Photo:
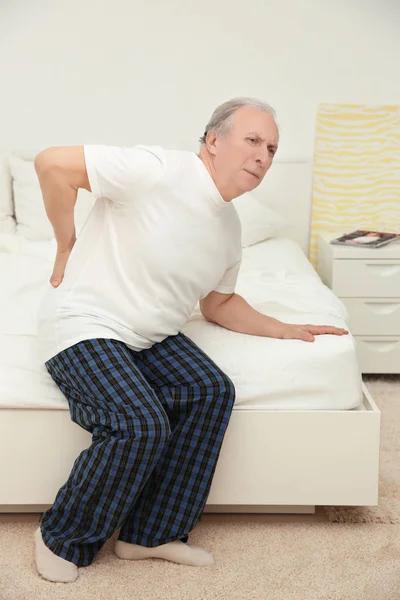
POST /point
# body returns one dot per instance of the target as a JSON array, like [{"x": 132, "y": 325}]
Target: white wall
[{"x": 152, "y": 71}]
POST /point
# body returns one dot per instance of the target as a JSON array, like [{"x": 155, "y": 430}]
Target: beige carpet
[{"x": 258, "y": 557}]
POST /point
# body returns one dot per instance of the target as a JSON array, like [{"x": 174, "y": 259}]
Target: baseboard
[{"x": 229, "y": 508}]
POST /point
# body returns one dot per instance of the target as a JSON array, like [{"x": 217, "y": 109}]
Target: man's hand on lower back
[{"x": 60, "y": 262}]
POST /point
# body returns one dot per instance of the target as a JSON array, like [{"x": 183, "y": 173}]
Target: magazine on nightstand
[{"x": 366, "y": 238}]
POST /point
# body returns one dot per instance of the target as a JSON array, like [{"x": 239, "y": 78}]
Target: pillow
[
  {"x": 258, "y": 221},
  {"x": 7, "y": 220},
  {"x": 30, "y": 213}
]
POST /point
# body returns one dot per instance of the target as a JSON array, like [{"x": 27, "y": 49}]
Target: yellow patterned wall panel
[{"x": 356, "y": 180}]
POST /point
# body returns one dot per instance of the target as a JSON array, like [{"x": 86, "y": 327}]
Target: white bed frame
[{"x": 270, "y": 461}]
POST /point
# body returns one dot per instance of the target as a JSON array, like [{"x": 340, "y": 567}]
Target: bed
[{"x": 304, "y": 430}]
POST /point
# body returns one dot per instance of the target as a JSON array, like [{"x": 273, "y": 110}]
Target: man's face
[{"x": 242, "y": 159}]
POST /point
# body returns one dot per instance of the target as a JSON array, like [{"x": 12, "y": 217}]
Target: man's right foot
[{"x": 51, "y": 566}]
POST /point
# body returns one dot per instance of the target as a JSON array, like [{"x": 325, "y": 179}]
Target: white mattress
[{"x": 275, "y": 278}]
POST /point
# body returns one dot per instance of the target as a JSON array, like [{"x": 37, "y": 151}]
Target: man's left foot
[{"x": 176, "y": 551}]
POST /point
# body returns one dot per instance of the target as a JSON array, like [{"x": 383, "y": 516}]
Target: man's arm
[
  {"x": 61, "y": 172},
  {"x": 233, "y": 312}
]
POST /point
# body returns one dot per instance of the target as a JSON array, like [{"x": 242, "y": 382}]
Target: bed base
[{"x": 271, "y": 461}]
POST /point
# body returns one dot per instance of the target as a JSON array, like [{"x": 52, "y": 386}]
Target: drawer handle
[
  {"x": 383, "y": 308},
  {"x": 385, "y": 346},
  {"x": 385, "y": 270}
]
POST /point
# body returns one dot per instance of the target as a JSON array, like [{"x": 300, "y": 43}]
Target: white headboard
[{"x": 287, "y": 189}]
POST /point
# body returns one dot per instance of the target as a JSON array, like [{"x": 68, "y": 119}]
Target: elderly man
[{"x": 162, "y": 236}]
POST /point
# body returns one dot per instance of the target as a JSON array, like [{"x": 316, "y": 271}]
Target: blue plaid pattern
[{"x": 158, "y": 419}]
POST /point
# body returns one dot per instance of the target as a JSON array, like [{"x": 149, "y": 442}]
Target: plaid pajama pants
[{"x": 158, "y": 419}]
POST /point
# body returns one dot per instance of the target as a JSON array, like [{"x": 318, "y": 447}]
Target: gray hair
[{"x": 221, "y": 119}]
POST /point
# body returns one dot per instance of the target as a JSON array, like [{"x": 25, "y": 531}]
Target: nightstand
[{"x": 367, "y": 281}]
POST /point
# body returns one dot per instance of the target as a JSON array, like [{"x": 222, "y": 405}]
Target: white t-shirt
[{"x": 159, "y": 238}]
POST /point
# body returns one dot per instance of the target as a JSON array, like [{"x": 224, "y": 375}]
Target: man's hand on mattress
[
  {"x": 60, "y": 263},
  {"x": 233, "y": 312},
  {"x": 307, "y": 332}
]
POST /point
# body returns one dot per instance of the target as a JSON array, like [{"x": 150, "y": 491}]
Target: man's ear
[{"x": 211, "y": 141}]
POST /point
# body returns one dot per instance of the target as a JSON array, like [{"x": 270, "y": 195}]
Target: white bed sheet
[{"x": 275, "y": 278}]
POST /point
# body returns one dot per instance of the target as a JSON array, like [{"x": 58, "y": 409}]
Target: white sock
[
  {"x": 176, "y": 551},
  {"x": 51, "y": 566}
]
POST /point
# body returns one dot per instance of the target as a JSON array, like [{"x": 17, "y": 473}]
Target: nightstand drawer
[
  {"x": 378, "y": 354},
  {"x": 373, "y": 316},
  {"x": 366, "y": 278}
]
